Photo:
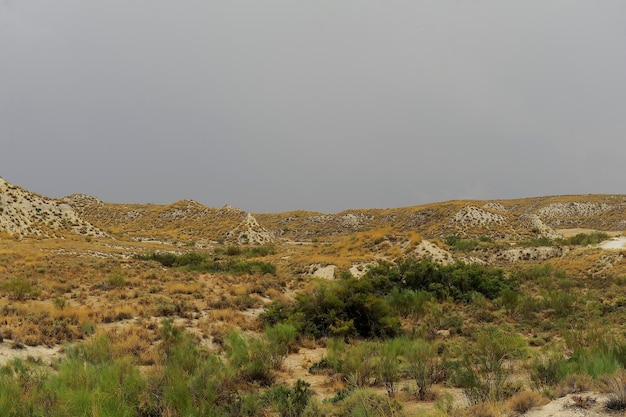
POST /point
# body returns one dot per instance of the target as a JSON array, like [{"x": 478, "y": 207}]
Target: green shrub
[
  {"x": 486, "y": 366},
  {"x": 584, "y": 239},
  {"x": 548, "y": 370},
  {"x": 408, "y": 302},
  {"x": 536, "y": 272},
  {"x": 193, "y": 261},
  {"x": 389, "y": 353},
  {"x": 358, "y": 363},
  {"x": 535, "y": 242},
  {"x": 366, "y": 403},
  {"x": 282, "y": 338},
  {"x": 344, "y": 308},
  {"x": 458, "y": 280},
  {"x": 233, "y": 251},
  {"x": 463, "y": 245},
  {"x": 18, "y": 289},
  {"x": 253, "y": 359},
  {"x": 560, "y": 302},
  {"x": 116, "y": 280},
  {"x": 290, "y": 402},
  {"x": 425, "y": 366}
]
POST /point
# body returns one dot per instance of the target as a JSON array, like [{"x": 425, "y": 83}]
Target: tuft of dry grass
[
  {"x": 488, "y": 409},
  {"x": 616, "y": 386},
  {"x": 524, "y": 401}
]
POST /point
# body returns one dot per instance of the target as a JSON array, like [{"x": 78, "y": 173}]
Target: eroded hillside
[{"x": 194, "y": 310}]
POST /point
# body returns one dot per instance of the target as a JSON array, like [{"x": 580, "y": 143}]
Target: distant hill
[
  {"x": 23, "y": 213},
  {"x": 26, "y": 213}
]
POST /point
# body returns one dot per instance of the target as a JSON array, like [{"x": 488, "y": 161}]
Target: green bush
[
  {"x": 369, "y": 306},
  {"x": 18, "y": 289},
  {"x": 486, "y": 366},
  {"x": 408, "y": 302},
  {"x": 282, "y": 338},
  {"x": 561, "y": 303},
  {"x": 584, "y": 239},
  {"x": 425, "y": 366},
  {"x": 290, "y": 402},
  {"x": 463, "y": 245},
  {"x": 535, "y": 242},
  {"x": 389, "y": 353},
  {"x": 348, "y": 307},
  {"x": 255, "y": 359},
  {"x": 366, "y": 403},
  {"x": 193, "y": 261},
  {"x": 536, "y": 272},
  {"x": 116, "y": 280},
  {"x": 548, "y": 370}
]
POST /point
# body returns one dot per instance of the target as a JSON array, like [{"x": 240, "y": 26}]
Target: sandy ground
[
  {"x": 615, "y": 243},
  {"x": 8, "y": 352},
  {"x": 594, "y": 405}
]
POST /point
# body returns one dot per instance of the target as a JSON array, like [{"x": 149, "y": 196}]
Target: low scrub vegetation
[
  {"x": 371, "y": 306},
  {"x": 200, "y": 262},
  {"x": 395, "y": 341},
  {"x": 581, "y": 239}
]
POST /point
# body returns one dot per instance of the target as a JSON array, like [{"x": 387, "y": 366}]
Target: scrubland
[{"x": 148, "y": 329}]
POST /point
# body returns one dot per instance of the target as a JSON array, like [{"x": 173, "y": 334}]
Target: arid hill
[
  {"x": 342, "y": 307},
  {"x": 497, "y": 219},
  {"x": 23, "y": 213}
]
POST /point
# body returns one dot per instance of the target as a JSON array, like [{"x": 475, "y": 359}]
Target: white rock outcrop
[
  {"x": 23, "y": 213},
  {"x": 249, "y": 231}
]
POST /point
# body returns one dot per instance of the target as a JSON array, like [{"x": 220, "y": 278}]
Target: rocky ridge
[
  {"x": 249, "y": 231},
  {"x": 418, "y": 231},
  {"x": 23, "y": 213}
]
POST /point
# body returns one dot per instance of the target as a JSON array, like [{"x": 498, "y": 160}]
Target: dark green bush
[
  {"x": 535, "y": 242},
  {"x": 408, "y": 302},
  {"x": 290, "y": 402},
  {"x": 193, "y": 261},
  {"x": 463, "y": 245},
  {"x": 584, "y": 239},
  {"x": 369, "y": 306},
  {"x": 347, "y": 307}
]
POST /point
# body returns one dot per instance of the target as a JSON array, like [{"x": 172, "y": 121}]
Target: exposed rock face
[
  {"x": 473, "y": 216},
  {"x": 541, "y": 253},
  {"x": 24, "y": 213},
  {"x": 573, "y": 209},
  {"x": 249, "y": 231},
  {"x": 352, "y": 220},
  {"x": 428, "y": 250},
  {"x": 325, "y": 272},
  {"x": 494, "y": 206},
  {"x": 357, "y": 270},
  {"x": 81, "y": 201},
  {"x": 533, "y": 223},
  {"x": 185, "y": 210}
]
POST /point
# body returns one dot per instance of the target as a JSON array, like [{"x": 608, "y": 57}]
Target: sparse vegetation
[
  {"x": 177, "y": 316},
  {"x": 193, "y": 261}
]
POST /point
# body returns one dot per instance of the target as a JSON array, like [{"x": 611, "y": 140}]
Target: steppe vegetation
[{"x": 215, "y": 328}]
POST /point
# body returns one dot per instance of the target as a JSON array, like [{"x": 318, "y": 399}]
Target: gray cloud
[{"x": 320, "y": 105}]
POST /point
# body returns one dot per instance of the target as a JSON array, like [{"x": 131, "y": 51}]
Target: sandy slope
[{"x": 615, "y": 243}]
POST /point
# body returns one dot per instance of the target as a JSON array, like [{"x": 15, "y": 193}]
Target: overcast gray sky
[{"x": 276, "y": 105}]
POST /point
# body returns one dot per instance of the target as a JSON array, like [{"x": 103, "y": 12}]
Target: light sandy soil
[
  {"x": 567, "y": 407},
  {"x": 615, "y": 243},
  {"x": 47, "y": 354}
]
